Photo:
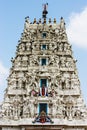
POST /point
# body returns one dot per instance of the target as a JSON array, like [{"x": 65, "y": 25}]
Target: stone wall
[{"x": 11, "y": 128}]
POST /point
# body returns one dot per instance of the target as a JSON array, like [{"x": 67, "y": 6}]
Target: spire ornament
[{"x": 45, "y": 12}]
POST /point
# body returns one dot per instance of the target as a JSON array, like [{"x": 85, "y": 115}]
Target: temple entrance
[{"x": 43, "y": 107}]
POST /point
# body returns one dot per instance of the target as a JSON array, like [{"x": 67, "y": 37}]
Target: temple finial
[{"x": 45, "y": 12}]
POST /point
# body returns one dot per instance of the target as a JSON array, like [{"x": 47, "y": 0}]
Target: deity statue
[
  {"x": 28, "y": 46},
  {"x": 53, "y": 93},
  {"x": 43, "y": 91},
  {"x": 33, "y": 92},
  {"x": 62, "y": 23},
  {"x": 26, "y": 26}
]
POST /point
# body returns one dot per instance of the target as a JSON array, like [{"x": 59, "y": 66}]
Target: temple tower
[{"x": 43, "y": 90}]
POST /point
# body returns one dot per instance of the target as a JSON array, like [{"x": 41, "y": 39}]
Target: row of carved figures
[
  {"x": 30, "y": 81},
  {"x": 40, "y": 61},
  {"x": 29, "y": 109},
  {"x": 39, "y": 24},
  {"x": 59, "y": 31},
  {"x": 59, "y": 36},
  {"x": 27, "y": 22},
  {"x": 68, "y": 84},
  {"x": 56, "y": 47}
]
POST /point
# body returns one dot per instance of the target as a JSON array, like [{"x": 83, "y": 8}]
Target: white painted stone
[{"x": 62, "y": 94}]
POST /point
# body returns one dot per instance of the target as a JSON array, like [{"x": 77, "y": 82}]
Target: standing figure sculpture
[{"x": 43, "y": 91}]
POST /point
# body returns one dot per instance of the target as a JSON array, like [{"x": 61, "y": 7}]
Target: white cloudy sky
[
  {"x": 12, "y": 14},
  {"x": 77, "y": 35},
  {"x": 3, "y": 77},
  {"x": 3, "y": 73},
  {"x": 77, "y": 28}
]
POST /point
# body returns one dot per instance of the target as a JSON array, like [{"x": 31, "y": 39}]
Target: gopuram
[{"x": 43, "y": 88}]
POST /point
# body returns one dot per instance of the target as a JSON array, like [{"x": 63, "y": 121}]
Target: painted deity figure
[
  {"x": 33, "y": 92},
  {"x": 43, "y": 91}
]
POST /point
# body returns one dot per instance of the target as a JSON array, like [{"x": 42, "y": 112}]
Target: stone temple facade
[{"x": 43, "y": 90}]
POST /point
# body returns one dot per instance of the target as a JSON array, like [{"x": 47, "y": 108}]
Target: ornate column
[
  {"x": 50, "y": 108},
  {"x": 35, "y": 107}
]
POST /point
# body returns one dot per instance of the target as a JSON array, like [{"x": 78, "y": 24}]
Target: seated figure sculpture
[{"x": 42, "y": 118}]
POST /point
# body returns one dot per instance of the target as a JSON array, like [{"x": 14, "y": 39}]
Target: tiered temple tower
[{"x": 43, "y": 90}]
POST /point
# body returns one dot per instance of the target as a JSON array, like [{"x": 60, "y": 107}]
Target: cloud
[
  {"x": 77, "y": 28},
  {"x": 3, "y": 74}
]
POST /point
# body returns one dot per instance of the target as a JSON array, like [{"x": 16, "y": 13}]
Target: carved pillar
[
  {"x": 35, "y": 108},
  {"x": 50, "y": 109},
  {"x": 69, "y": 112}
]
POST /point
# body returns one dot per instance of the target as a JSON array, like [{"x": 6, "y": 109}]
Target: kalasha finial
[{"x": 45, "y": 12}]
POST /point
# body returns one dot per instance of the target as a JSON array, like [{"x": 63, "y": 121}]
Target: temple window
[
  {"x": 43, "y": 81},
  {"x": 43, "y": 61},
  {"x": 42, "y": 108},
  {"x": 43, "y": 47},
  {"x": 44, "y": 35}
]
